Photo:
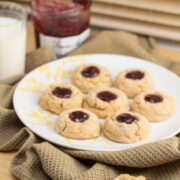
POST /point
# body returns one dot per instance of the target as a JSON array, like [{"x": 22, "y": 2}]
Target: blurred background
[{"x": 155, "y": 18}]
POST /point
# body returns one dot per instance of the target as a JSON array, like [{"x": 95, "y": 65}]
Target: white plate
[{"x": 41, "y": 122}]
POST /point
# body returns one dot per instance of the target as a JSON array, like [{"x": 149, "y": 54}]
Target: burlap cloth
[{"x": 36, "y": 159}]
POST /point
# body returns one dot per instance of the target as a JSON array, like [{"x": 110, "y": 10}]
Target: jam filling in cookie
[
  {"x": 90, "y": 72},
  {"x": 152, "y": 98},
  {"x": 107, "y": 96},
  {"x": 126, "y": 118},
  {"x": 78, "y": 116},
  {"x": 62, "y": 92},
  {"x": 135, "y": 75}
]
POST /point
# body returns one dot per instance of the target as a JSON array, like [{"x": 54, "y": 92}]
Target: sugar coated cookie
[
  {"x": 59, "y": 97},
  {"x": 156, "y": 106},
  {"x": 105, "y": 101},
  {"x": 127, "y": 127},
  {"x": 129, "y": 177},
  {"x": 87, "y": 77},
  {"x": 134, "y": 81},
  {"x": 78, "y": 123}
]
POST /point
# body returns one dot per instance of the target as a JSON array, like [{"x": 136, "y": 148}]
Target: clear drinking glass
[{"x": 12, "y": 40}]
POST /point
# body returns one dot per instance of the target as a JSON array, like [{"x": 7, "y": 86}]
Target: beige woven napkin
[{"x": 36, "y": 159}]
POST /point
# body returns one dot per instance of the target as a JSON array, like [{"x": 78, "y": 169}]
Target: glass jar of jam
[{"x": 61, "y": 24}]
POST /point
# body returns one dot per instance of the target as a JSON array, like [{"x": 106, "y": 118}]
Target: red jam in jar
[{"x": 58, "y": 20}]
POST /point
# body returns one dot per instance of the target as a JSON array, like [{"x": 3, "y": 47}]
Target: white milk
[{"x": 12, "y": 47}]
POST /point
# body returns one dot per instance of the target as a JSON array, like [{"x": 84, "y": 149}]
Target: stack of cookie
[{"x": 127, "y": 105}]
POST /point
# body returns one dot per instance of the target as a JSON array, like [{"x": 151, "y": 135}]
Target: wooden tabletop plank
[{"x": 5, "y": 163}]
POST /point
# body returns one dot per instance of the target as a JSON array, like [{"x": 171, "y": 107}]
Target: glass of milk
[{"x": 12, "y": 41}]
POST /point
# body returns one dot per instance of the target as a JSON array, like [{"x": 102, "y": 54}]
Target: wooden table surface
[{"x": 5, "y": 158}]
